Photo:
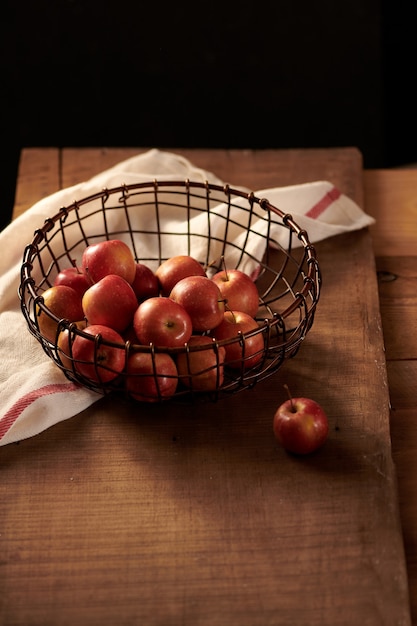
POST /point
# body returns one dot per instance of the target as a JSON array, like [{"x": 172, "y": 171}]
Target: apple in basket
[
  {"x": 151, "y": 376},
  {"x": 174, "y": 269},
  {"x": 239, "y": 290},
  {"x": 202, "y": 300},
  {"x": 73, "y": 277},
  {"x": 65, "y": 341},
  {"x": 162, "y": 322},
  {"x": 145, "y": 284},
  {"x": 110, "y": 302},
  {"x": 112, "y": 256},
  {"x": 300, "y": 425},
  {"x": 245, "y": 352},
  {"x": 202, "y": 369},
  {"x": 65, "y": 303},
  {"x": 95, "y": 358}
]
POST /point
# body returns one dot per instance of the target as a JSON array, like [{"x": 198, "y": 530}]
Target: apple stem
[
  {"x": 215, "y": 261},
  {"x": 74, "y": 262},
  {"x": 224, "y": 267},
  {"x": 233, "y": 315},
  {"x": 290, "y": 397},
  {"x": 224, "y": 300}
]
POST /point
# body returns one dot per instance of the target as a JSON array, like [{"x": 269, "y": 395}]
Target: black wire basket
[{"x": 218, "y": 225}]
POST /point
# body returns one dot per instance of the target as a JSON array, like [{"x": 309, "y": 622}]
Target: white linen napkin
[{"x": 34, "y": 393}]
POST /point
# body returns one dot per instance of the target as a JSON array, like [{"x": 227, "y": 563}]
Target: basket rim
[{"x": 313, "y": 275}]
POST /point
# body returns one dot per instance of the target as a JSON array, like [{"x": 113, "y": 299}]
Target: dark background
[{"x": 268, "y": 74}]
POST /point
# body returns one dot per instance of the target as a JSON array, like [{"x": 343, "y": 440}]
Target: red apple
[
  {"x": 202, "y": 300},
  {"x": 300, "y": 425},
  {"x": 145, "y": 284},
  {"x": 239, "y": 291},
  {"x": 94, "y": 358},
  {"x": 65, "y": 303},
  {"x": 151, "y": 377},
  {"x": 162, "y": 322},
  {"x": 110, "y": 302},
  {"x": 248, "y": 351},
  {"x": 73, "y": 277},
  {"x": 201, "y": 368},
  {"x": 174, "y": 269},
  {"x": 112, "y": 256},
  {"x": 65, "y": 341}
]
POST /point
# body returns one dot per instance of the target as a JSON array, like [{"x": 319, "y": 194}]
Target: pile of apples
[{"x": 189, "y": 326}]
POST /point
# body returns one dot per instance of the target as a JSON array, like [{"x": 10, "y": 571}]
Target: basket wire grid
[{"x": 221, "y": 227}]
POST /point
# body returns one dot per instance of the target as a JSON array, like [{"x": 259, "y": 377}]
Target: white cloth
[{"x": 34, "y": 393}]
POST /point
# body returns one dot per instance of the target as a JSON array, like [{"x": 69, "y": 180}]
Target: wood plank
[
  {"x": 117, "y": 507},
  {"x": 398, "y": 297},
  {"x": 394, "y": 201},
  {"x": 39, "y": 176},
  {"x": 404, "y": 451},
  {"x": 390, "y": 197},
  {"x": 398, "y": 302},
  {"x": 258, "y": 169}
]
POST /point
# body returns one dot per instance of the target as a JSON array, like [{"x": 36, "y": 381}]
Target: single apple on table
[
  {"x": 111, "y": 256},
  {"x": 95, "y": 357},
  {"x": 65, "y": 303},
  {"x": 202, "y": 369},
  {"x": 73, "y": 277},
  {"x": 174, "y": 269},
  {"x": 110, "y": 302},
  {"x": 162, "y": 322},
  {"x": 300, "y": 425},
  {"x": 145, "y": 284},
  {"x": 151, "y": 377},
  {"x": 201, "y": 298},
  {"x": 245, "y": 352},
  {"x": 239, "y": 290}
]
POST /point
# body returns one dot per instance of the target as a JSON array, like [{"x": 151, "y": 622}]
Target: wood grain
[
  {"x": 398, "y": 303},
  {"x": 195, "y": 516},
  {"x": 392, "y": 198}
]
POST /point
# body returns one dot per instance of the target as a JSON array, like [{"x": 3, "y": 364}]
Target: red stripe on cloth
[
  {"x": 316, "y": 210},
  {"x": 17, "y": 409}
]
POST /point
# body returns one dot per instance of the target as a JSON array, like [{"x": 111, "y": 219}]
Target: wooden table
[
  {"x": 390, "y": 196},
  {"x": 198, "y": 517}
]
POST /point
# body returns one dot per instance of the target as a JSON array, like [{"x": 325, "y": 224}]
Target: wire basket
[{"x": 219, "y": 226}]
